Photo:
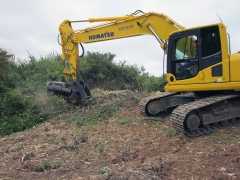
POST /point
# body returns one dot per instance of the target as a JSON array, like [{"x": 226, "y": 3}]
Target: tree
[{"x": 5, "y": 57}]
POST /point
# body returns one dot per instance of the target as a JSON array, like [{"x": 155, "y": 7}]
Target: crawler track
[
  {"x": 179, "y": 115},
  {"x": 197, "y": 118},
  {"x": 143, "y": 104}
]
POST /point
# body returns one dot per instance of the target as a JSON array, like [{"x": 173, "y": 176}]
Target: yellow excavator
[{"x": 202, "y": 92}]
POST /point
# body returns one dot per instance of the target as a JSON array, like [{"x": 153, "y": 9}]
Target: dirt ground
[{"x": 125, "y": 145}]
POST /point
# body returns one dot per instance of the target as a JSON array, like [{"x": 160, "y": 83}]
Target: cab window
[
  {"x": 210, "y": 41},
  {"x": 185, "y": 57}
]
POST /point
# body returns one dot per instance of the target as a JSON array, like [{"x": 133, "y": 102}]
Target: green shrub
[
  {"x": 21, "y": 81},
  {"x": 101, "y": 71},
  {"x": 55, "y": 165},
  {"x": 46, "y": 165},
  {"x": 102, "y": 171},
  {"x": 19, "y": 113},
  {"x": 15, "y": 103},
  {"x": 101, "y": 148}
]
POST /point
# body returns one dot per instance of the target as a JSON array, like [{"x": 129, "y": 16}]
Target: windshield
[
  {"x": 185, "y": 57},
  {"x": 184, "y": 48}
]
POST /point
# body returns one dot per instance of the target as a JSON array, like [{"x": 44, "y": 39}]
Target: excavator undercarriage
[{"x": 195, "y": 115}]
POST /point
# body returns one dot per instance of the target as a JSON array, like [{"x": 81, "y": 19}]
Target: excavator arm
[{"x": 136, "y": 24}]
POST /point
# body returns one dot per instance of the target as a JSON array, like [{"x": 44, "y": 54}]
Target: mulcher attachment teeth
[{"x": 73, "y": 91}]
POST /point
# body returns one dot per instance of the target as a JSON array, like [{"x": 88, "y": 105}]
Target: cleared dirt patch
[{"x": 118, "y": 143}]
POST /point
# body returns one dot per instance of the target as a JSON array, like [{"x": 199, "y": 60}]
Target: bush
[
  {"x": 19, "y": 113},
  {"x": 100, "y": 71},
  {"x": 15, "y": 103},
  {"x": 20, "y": 83}
]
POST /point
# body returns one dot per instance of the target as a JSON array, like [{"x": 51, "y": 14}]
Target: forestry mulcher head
[{"x": 72, "y": 91}]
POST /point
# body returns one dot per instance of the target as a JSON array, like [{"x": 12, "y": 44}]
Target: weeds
[
  {"x": 172, "y": 133},
  {"x": 48, "y": 139},
  {"x": 87, "y": 151},
  {"x": 101, "y": 148},
  {"x": 97, "y": 116},
  {"x": 135, "y": 97},
  {"x": 107, "y": 110},
  {"x": 55, "y": 165},
  {"x": 83, "y": 132},
  {"x": 90, "y": 120},
  {"x": 124, "y": 121},
  {"x": 46, "y": 165},
  {"x": 80, "y": 123},
  {"x": 102, "y": 171},
  {"x": 63, "y": 139}
]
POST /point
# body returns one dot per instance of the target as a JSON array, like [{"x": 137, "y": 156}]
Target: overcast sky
[{"x": 32, "y": 26}]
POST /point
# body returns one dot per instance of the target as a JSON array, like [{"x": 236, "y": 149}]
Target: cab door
[
  {"x": 184, "y": 59},
  {"x": 215, "y": 62}
]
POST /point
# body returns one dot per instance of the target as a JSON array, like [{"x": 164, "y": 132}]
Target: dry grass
[{"x": 120, "y": 144}]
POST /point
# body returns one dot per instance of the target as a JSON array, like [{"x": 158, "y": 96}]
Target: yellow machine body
[
  {"x": 215, "y": 69},
  {"x": 203, "y": 80}
]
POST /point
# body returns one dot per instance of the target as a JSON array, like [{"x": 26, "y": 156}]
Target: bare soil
[{"x": 122, "y": 145}]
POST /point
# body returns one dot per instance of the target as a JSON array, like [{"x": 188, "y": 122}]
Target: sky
[{"x": 31, "y": 26}]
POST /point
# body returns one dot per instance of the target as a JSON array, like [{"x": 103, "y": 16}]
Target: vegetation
[
  {"x": 46, "y": 165},
  {"x": 23, "y": 101},
  {"x": 100, "y": 71},
  {"x": 102, "y": 171}
]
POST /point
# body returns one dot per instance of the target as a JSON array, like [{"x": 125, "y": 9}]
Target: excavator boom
[
  {"x": 117, "y": 27},
  {"x": 138, "y": 23}
]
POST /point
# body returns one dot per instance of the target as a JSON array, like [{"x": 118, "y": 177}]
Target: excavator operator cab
[{"x": 192, "y": 51}]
